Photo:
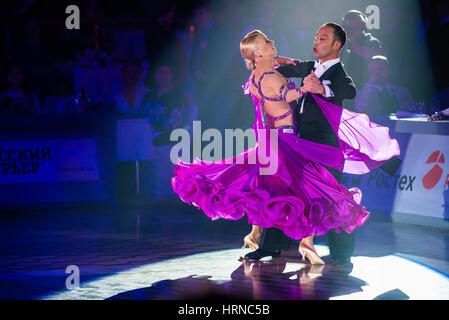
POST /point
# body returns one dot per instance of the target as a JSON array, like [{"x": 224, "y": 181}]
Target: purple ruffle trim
[{"x": 289, "y": 213}]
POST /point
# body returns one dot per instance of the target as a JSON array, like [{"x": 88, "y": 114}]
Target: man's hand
[
  {"x": 313, "y": 84},
  {"x": 278, "y": 61}
]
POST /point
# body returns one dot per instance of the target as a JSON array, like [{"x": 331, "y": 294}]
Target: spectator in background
[
  {"x": 211, "y": 54},
  {"x": 168, "y": 104},
  {"x": 128, "y": 101},
  {"x": 360, "y": 47},
  {"x": 379, "y": 96},
  {"x": 16, "y": 96},
  {"x": 440, "y": 101},
  {"x": 167, "y": 42},
  {"x": 168, "y": 111}
]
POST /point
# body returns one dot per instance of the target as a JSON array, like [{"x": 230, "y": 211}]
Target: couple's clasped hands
[{"x": 313, "y": 85}]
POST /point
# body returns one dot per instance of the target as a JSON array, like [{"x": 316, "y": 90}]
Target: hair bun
[{"x": 250, "y": 64}]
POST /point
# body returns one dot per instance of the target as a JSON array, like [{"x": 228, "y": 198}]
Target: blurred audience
[
  {"x": 16, "y": 97},
  {"x": 440, "y": 101},
  {"x": 168, "y": 105},
  {"x": 379, "y": 96},
  {"x": 128, "y": 101},
  {"x": 168, "y": 111},
  {"x": 360, "y": 47},
  {"x": 62, "y": 99},
  {"x": 168, "y": 42}
]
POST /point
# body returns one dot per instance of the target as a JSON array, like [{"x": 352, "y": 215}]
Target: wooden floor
[{"x": 167, "y": 252}]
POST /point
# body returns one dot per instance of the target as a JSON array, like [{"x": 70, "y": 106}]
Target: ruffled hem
[{"x": 296, "y": 217}]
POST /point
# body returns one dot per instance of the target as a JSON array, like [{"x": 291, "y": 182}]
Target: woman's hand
[{"x": 313, "y": 84}]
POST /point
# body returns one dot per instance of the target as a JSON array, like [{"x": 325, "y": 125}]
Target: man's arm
[
  {"x": 299, "y": 70},
  {"x": 343, "y": 87}
]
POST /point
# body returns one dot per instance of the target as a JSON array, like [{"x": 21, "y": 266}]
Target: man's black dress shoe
[
  {"x": 261, "y": 253},
  {"x": 340, "y": 262}
]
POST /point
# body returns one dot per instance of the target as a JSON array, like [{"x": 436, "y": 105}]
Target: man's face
[
  {"x": 324, "y": 45},
  {"x": 379, "y": 72}
]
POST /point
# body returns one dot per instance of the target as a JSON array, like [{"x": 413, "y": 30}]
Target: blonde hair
[{"x": 248, "y": 47}]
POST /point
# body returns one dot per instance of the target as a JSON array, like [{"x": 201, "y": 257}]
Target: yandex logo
[{"x": 433, "y": 176}]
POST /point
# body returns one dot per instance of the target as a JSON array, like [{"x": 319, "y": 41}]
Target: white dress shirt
[{"x": 320, "y": 69}]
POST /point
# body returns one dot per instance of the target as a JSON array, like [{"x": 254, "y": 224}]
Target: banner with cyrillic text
[{"x": 48, "y": 160}]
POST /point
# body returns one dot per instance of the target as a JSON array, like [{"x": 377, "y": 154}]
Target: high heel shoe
[
  {"x": 310, "y": 254},
  {"x": 250, "y": 242}
]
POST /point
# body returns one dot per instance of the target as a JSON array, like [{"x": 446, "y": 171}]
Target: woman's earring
[{"x": 260, "y": 56}]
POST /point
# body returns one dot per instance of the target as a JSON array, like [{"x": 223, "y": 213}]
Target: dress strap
[
  {"x": 282, "y": 96},
  {"x": 259, "y": 88},
  {"x": 282, "y": 116}
]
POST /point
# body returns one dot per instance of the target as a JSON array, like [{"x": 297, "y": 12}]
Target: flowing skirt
[{"x": 301, "y": 197}]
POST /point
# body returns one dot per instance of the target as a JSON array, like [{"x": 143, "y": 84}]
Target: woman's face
[
  {"x": 15, "y": 77},
  {"x": 164, "y": 76},
  {"x": 266, "y": 47}
]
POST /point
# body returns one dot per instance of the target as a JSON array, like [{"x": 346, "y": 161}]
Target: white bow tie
[{"x": 319, "y": 67}]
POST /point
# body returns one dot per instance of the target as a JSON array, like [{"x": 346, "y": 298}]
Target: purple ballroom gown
[{"x": 301, "y": 198}]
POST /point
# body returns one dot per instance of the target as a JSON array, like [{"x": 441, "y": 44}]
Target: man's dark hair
[{"x": 339, "y": 32}]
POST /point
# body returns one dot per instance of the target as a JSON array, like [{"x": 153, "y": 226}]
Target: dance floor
[{"x": 174, "y": 252}]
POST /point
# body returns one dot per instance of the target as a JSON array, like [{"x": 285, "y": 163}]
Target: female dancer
[{"x": 301, "y": 197}]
